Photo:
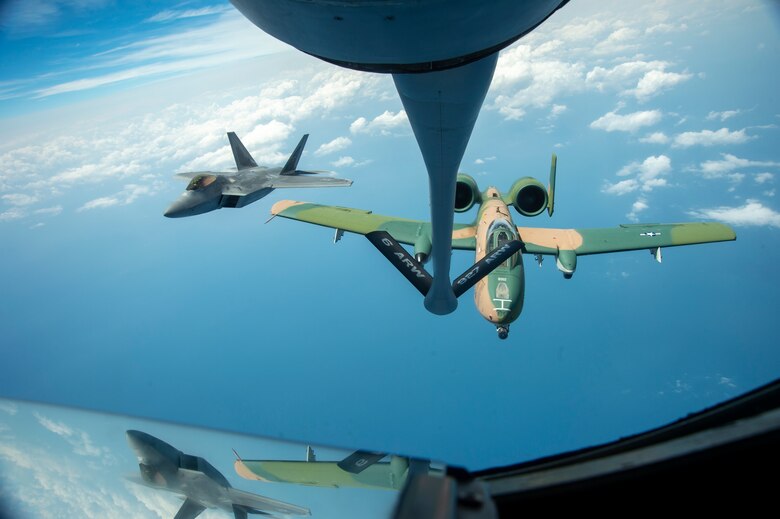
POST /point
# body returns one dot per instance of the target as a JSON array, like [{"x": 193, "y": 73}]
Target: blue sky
[{"x": 664, "y": 113}]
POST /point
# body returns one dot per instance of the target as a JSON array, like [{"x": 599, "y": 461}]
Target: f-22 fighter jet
[
  {"x": 203, "y": 486},
  {"x": 210, "y": 190}
]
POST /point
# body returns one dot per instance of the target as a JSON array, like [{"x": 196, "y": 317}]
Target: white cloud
[
  {"x": 664, "y": 28},
  {"x": 53, "y": 211},
  {"x": 382, "y": 124},
  {"x": 620, "y": 40},
  {"x": 99, "y": 203},
  {"x": 729, "y": 163},
  {"x": 762, "y": 178},
  {"x": 726, "y": 114},
  {"x": 343, "y": 161},
  {"x": 173, "y": 14},
  {"x": 656, "y": 81},
  {"x": 623, "y": 75},
  {"x": 710, "y": 138},
  {"x": 647, "y": 176},
  {"x": 613, "y": 121},
  {"x": 336, "y": 145},
  {"x": 578, "y": 30},
  {"x": 622, "y": 187},
  {"x": 52, "y": 486},
  {"x": 58, "y": 428},
  {"x": 753, "y": 213},
  {"x": 557, "y": 110},
  {"x": 637, "y": 207},
  {"x": 15, "y": 213},
  {"x": 484, "y": 159},
  {"x": 29, "y": 16},
  {"x": 655, "y": 138},
  {"x": 9, "y": 408},
  {"x": 230, "y": 38},
  {"x": 638, "y": 78},
  {"x": 79, "y": 440},
  {"x": 527, "y": 77},
  {"x": 19, "y": 199},
  {"x": 129, "y": 194}
]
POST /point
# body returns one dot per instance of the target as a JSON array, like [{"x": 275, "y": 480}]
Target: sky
[{"x": 663, "y": 113}]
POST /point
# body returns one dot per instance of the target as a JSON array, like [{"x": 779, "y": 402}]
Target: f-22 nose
[{"x": 177, "y": 209}]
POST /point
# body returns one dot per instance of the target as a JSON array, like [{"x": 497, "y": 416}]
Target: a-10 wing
[
  {"x": 535, "y": 240},
  {"x": 387, "y": 476},
  {"x": 360, "y": 221},
  {"x": 622, "y": 238}
]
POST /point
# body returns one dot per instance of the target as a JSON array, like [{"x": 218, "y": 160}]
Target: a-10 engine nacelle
[
  {"x": 466, "y": 193},
  {"x": 528, "y": 195}
]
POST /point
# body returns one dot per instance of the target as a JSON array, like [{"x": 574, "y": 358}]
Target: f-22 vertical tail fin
[
  {"x": 292, "y": 162},
  {"x": 190, "y": 509},
  {"x": 242, "y": 157},
  {"x": 422, "y": 280}
]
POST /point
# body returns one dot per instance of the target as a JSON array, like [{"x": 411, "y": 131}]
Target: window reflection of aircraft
[
  {"x": 165, "y": 467},
  {"x": 209, "y": 190},
  {"x": 499, "y": 244},
  {"x": 361, "y": 469},
  {"x": 442, "y": 55}
]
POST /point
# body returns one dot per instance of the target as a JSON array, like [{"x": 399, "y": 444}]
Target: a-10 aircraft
[
  {"x": 202, "y": 486},
  {"x": 361, "y": 469},
  {"x": 499, "y": 244},
  {"x": 210, "y": 190}
]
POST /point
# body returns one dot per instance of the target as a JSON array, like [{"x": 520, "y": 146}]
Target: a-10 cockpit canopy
[
  {"x": 499, "y": 234},
  {"x": 200, "y": 181}
]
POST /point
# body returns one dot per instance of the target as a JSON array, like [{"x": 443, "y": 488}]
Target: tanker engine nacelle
[{"x": 466, "y": 193}]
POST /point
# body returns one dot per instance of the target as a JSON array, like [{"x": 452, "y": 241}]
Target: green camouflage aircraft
[
  {"x": 499, "y": 244},
  {"x": 361, "y": 469}
]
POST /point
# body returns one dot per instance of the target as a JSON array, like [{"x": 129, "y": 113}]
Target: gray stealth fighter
[
  {"x": 210, "y": 190},
  {"x": 165, "y": 467}
]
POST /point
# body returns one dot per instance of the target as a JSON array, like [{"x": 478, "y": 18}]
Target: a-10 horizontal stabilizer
[
  {"x": 422, "y": 280},
  {"x": 358, "y": 461}
]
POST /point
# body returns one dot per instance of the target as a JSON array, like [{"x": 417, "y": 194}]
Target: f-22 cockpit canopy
[{"x": 200, "y": 181}]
